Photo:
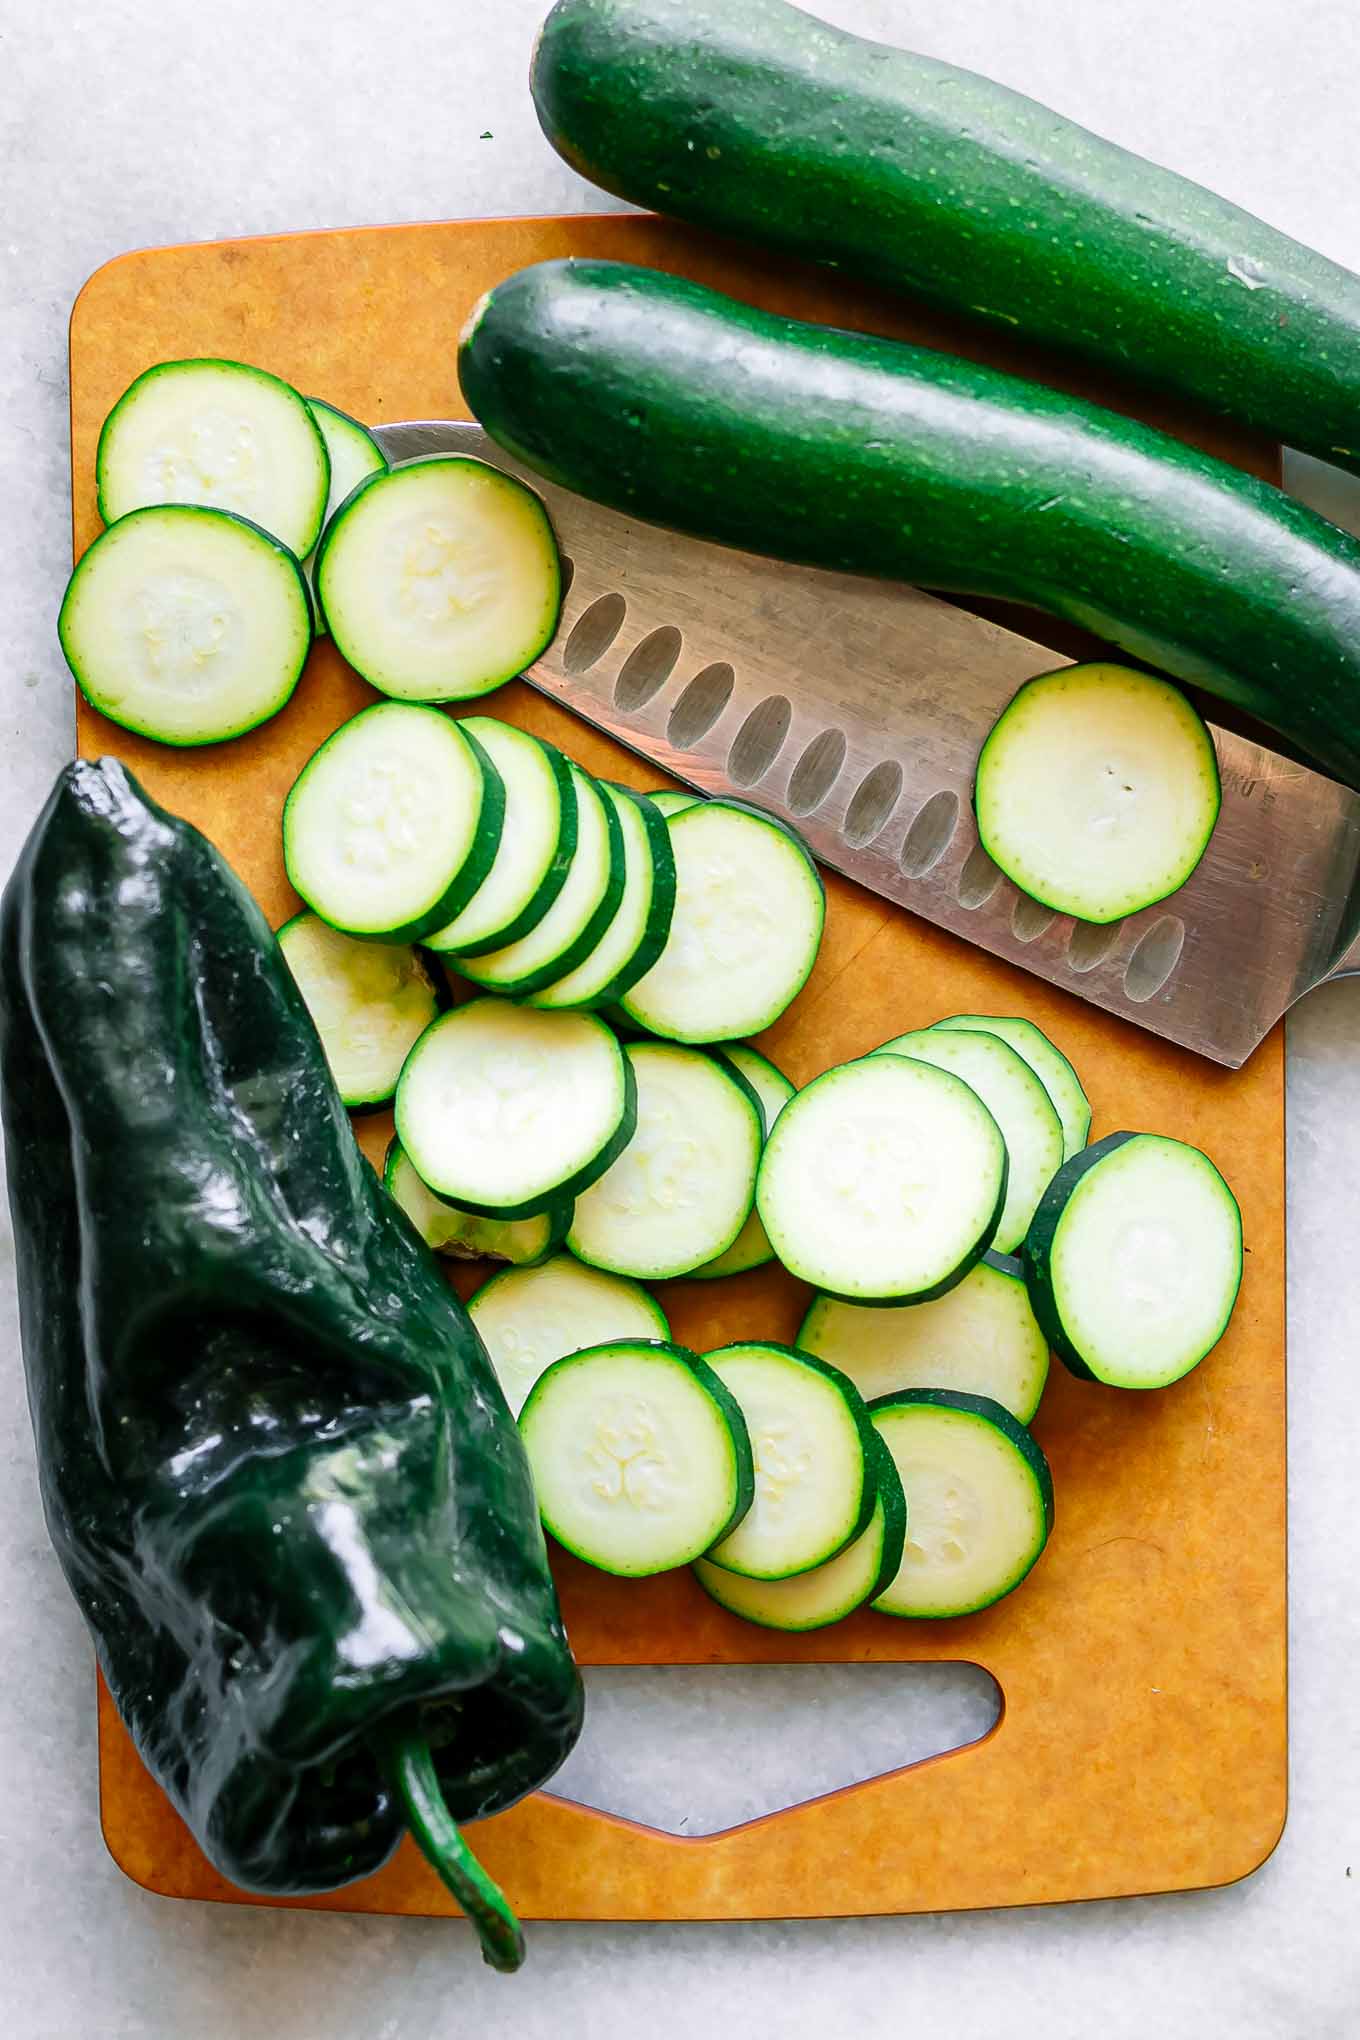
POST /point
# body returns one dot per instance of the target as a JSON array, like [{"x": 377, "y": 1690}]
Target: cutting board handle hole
[{"x": 696, "y": 1749}]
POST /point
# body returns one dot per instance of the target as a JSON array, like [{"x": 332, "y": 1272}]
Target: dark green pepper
[{"x": 277, "y": 1467}]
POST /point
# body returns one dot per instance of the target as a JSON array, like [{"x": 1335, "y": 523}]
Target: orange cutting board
[{"x": 1141, "y": 1745}]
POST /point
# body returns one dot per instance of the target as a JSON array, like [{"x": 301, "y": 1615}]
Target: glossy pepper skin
[{"x": 276, "y": 1465}]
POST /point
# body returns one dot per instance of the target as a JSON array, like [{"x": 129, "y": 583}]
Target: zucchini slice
[
  {"x": 749, "y": 909},
  {"x": 393, "y": 824},
  {"x": 186, "y": 625},
  {"x": 1134, "y": 1260},
  {"x": 751, "y": 1248},
  {"x": 1019, "y": 1104},
  {"x": 370, "y": 1001},
  {"x": 354, "y": 455},
  {"x": 682, "y": 1189},
  {"x": 810, "y": 1441},
  {"x": 440, "y": 580},
  {"x": 524, "y": 1242},
  {"x": 639, "y": 1455},
  {"x": 1048, "y": 1063},
  {"x": 1097, "y": 791},
  {"x": 583, "y": 908},
  {"x": 529, "y": 1317},
  {"x": 636, "y": 935},
  {"x": 982, "y": 1337},
  {"x": 979, "y": 1501},
  {"x": 672, "y": 799},
  {"x": 503, "y": 1110},
  {"x": 883, "y": 1180},
  {"x": 537, "y": 842},
  {"x": 221, "y": 435},
  {"x": 811, "y": 1600}
]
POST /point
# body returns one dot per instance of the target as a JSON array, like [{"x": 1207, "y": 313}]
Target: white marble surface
[{"x": 125, "y": 122}]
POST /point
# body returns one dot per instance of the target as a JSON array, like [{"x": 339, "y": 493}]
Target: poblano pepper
[{"x": 277, "y": 1468}]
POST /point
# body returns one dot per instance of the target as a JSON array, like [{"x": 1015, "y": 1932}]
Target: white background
[{"x": 130, "y": 122}]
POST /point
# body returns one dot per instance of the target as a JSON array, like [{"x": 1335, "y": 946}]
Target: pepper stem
[{"x": 438, "y": 1836}]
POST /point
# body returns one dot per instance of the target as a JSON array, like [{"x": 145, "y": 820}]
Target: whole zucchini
[
  {"x": 752, "y": 117},
  {"x": 674, "y": 404}
]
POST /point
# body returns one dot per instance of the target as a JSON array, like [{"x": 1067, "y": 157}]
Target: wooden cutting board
[{"x": 1141, "y": 1745}]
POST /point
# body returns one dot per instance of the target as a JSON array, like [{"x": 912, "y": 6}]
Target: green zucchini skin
[
  {"x": 753, "y": 118},
  {"x": 670, "y": 402}
]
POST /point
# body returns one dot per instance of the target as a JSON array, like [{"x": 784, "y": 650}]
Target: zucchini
[
  {"x": 753, "y": 118},
  {"x": 1048, "y": 1063},
  {"x": 1134, "y": 1260},
  {"x": 639, "y": 1455},
  {"x": 811, "y": 1600},
  {"x": 370, "y": 1003},
  {"x": 504, "y": 1110},
  {"x": 979, "y": 1500},
  {"x": 641, "y": 390},
  {"x": 186, "y": 625},
  {"x": 463, "y": 1235},
  {"x": 1097, "y": 791},
  {"x": 529, "y": 1317}
]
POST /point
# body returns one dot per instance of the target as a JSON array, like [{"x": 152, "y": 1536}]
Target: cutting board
[{"x": 1141, "y": 1745}]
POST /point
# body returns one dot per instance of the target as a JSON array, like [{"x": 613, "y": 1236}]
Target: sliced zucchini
[
  {"x": 883, "y": 1180},
  {"x": 639, "y": 1456},
  {"x": 440, "y": 580},
  {"x": 636, "y": 935},
  {"x": 1134, "y": 1260},
  {"x": 578, "y": 916},
  {"x": 982, "y": 1337},
  {"x": 529, "y": 1317},
  {"x": 186, "y": 625},
  {"x": 681, "y": 1190},
  {"x": 370, "y": 1001},
  {"x": 354, "y": 455},
  {"x": 810, "y": 1443},
  {"x": 749, "y": 909},
  {"x": 979, "y": 1500},
  {"x": 393, "y": 824},
  {"x": 1019, "y": 1104},
  {"x": 1048, "y": 1063},
  {"x": 1097, "y": 791},
  {"x": 503, "y": 1110},
  {"x": 811, "y": 1600},
  {"x": 524, "y": 1242},
  {"x": 538, "y": 841},
  {"x": 672, "y": 799},
  {"x": 751, "y": 1248},
  {"x": 221, "y": 435}
]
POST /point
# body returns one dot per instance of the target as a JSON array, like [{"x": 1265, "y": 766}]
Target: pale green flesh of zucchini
[
  {"x": 1097, "y": 791},
  {"x": 1146, "y": 1262},
  {"x": 383, "y": 819},
  {"x": 1019, "y": 1104},
  {"x": 532, "y": 831},
  {"x": 751, "y": 1248},
  {"x": 748, "y": 921},
  {"x": 462, "y": 1235},
  {"x": 590, "y": 884},
  {"x": 882, "y": 1180},
  {"x": 683, "y": 1187},
  {"x": 370, "y": 1001},
  {"x": 221, "y": 435},
  {"x": 597, "y": 977},
  {"x": 975, "y": 1514},
  {"x": 354, "y": 456},
  {"x": 186, "y": 625},
  {"x": 981, "y": 1337},
  {"x": 808, "y": 1600},
  {"x": 501, "y": 1108},
  {"x": 633, "y": 1461},
  {"x": 1048, "y": 1063},
  {"x": 527, "y": 1318},
  {"x": 810, "y": 1471},
  {"x": 440, "y": 580}
]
